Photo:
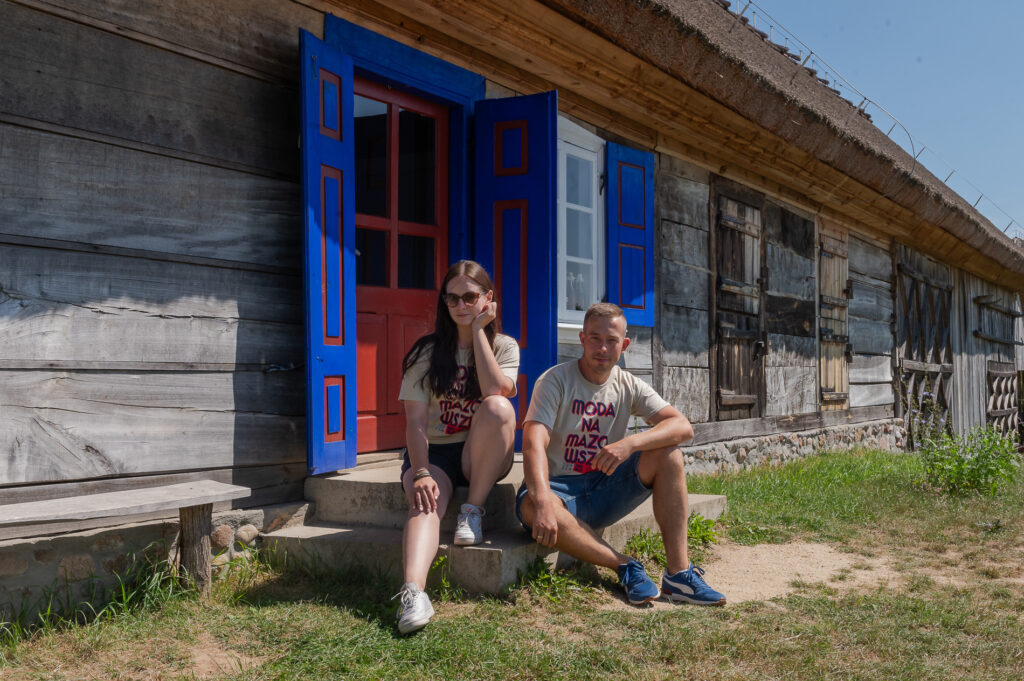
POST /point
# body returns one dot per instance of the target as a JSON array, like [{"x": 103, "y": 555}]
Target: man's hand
[
  {"x": 490, "y": 311},
  {"x": 611, "y": 455},
  {"x": 545, "y": 524}
]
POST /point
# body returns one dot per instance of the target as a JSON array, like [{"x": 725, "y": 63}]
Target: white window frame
[{"x": 576, "y": 140}]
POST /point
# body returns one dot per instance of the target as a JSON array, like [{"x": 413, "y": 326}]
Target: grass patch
[{"x": 285, "y": 622}]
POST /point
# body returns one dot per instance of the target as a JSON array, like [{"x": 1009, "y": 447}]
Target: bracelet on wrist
[{"x": 422, "y": 473}]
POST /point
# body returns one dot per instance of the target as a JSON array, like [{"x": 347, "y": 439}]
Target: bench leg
[{"x": 196, "y": 526}]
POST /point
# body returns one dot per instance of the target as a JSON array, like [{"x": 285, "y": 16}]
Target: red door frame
[{"x": 381, "y": 421}]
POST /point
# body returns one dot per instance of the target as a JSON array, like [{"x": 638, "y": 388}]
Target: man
[{"x": 582, "y": 471}]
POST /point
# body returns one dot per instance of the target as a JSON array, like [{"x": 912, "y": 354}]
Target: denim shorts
[{"x": 597, "y": 499}]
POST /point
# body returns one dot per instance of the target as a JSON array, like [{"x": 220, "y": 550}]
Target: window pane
[
  {"x": 578, "y": 234},
  {"x": 371, "y": 152},
  {"x": 416, "y": 182},
  {"x": 371, "y": 257},
  {"x": 579, "y": 286},
  {"x": 415, "y": 261},
  {"x": 579, "y": 180}
]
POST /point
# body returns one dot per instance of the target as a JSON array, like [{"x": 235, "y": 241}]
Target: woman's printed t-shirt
[
  {"x": 583, "y": 416},
  {"x": 449, "y": 415}
]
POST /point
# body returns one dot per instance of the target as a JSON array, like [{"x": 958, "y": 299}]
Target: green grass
[{"x": 956, "y": 615}]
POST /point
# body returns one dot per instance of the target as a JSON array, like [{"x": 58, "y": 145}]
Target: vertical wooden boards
[
  {"x": 833, "y": 305},
  {"x": 684, "y": 291},
  {"x": 924, "y": 298},
  {"x": 871, "y": 323},
  {"x": 791, "y": 374},
  {"x": 739, "y": 309},
  {"x": 984, "y": 321},
  {"x": 1003, "y": 404}
]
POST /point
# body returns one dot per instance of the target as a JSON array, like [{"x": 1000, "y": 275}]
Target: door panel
[
  {"x": 833, "y": 273},
  {"x": 329, "y": 255},
  {"x": 515, "y": 222},
  {"x": 739, "y": 318},
  {"x": 402, "y": 244}
]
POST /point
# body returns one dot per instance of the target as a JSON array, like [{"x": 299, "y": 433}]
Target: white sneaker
[
  {"x": 469, "y": 529},
  {"x": 414, "y": 610}
]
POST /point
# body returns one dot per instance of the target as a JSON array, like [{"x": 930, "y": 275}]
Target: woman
[{"x": 460, "y": 425}]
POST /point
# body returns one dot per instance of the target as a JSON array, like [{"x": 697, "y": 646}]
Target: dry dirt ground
[{"x": 765, "y": 571}]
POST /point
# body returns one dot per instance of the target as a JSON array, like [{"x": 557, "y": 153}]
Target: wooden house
[{"x": 222, "y": 224}]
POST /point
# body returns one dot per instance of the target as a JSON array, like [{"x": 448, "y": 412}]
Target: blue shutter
[
  {"x": 515, "y": 228},
  {"x": 328, "y": 210},
  {"x": 630, "y": 203}
]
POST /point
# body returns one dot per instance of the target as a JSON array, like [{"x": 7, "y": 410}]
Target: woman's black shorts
[{"x": 448, "y": 458}]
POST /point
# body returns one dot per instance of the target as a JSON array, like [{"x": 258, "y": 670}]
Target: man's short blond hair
[{"x": 602, "y": 311}]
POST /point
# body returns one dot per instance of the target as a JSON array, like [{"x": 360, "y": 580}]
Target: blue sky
[{"x": 951, "y": 72}]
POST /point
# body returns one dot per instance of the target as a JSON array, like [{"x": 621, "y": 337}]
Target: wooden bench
[{"x": 193, "y": 500}]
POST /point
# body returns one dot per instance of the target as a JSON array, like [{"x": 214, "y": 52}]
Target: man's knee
[{"x": 667, "y": 461}]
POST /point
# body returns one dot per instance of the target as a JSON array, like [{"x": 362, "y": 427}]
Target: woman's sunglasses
[{"x": 470, "y": 298}]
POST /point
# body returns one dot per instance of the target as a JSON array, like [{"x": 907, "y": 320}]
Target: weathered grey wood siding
[
  {"x": 871, "y": 323},
  {"x": 684, "y": 275},
  {"x": 791, "y": 374},
  {"x": 150, "y": 307},
  {"x": 980, "y": 309}
]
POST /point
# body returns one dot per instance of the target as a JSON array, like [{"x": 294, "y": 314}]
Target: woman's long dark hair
[{"x": 444, "y": 342}]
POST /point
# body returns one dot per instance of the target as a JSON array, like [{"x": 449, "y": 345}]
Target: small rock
[
  {"x": 108, "y": 542},
  {"x": 741, "y": 455},
  {"x": 116, "y": 565},
  {"x": 44, "y": 555},
  {"x": 246, "y": 534},
  {"x": 75, "y": 567},
  {"x": 221, "y": 537},
  {"x": 12, "y": 565}
]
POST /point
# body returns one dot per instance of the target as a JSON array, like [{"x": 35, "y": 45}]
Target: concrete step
[
  {"x": 374, "y": 497},
  {"x": 487, "y": 568}
]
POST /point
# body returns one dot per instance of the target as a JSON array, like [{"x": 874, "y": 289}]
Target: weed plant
[{"x": 977, "y": 462}]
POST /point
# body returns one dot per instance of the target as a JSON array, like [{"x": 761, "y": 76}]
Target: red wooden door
[{"x": 401, "y": 169}]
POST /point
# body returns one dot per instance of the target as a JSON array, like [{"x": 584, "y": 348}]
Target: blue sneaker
[
  {"x": 639, "y": 587},
  {"x": 689, "y": 586}
]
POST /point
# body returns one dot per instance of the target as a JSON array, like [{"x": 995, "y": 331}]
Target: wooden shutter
[
  {"x": 329, "y": 264},
  {"x": 516, "y": 228},
  {"x": 739, "y": 328},
  {"x": 833, "y": 311},
  {"x": 630, "y": 260}
]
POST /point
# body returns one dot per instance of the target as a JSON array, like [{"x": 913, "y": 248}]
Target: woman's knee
[{"x": 496, "y": 408}]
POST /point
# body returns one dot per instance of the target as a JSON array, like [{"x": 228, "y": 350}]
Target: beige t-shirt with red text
[
  {"x": 583, "y": 416},
  {"x": 449, "y": 415}
]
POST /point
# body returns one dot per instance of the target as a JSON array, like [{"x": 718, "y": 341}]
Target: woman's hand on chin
[{"x": 490, "y": 311}]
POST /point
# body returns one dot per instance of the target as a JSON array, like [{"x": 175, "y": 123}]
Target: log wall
[
  {"x": 681, "y": 350},
  {"x": 150, "y": 306}
]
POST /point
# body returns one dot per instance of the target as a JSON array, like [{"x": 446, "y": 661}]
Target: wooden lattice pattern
[
  {"x": 926, "y": 398},
  {"x": 926, "y": 371},
  {"x": 1003, "y": 408}
]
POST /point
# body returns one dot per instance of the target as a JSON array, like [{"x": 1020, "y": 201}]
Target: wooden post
[{"x": 196, "y": 526}]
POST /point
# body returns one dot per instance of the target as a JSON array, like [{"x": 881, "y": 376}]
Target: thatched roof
[{"x": 704, "y": 45}]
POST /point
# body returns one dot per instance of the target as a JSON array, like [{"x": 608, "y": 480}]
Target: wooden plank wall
[
  {"x": 681, "y": 349},
  {"x": 926, "y": 345},
  {"x": 150, "y": 307},
  {"x": 835, "y": 327},
  {"x": 979, "y": 306},
  {"x": 871, "y": 323},
  {"x": 791, "y": 372}
]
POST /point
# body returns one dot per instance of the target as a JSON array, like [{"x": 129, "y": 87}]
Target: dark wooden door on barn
[
  {"x": 924, "y": 298},
  {"x": 739, "y": 323},
  {"x": 401, "y": 239}
]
